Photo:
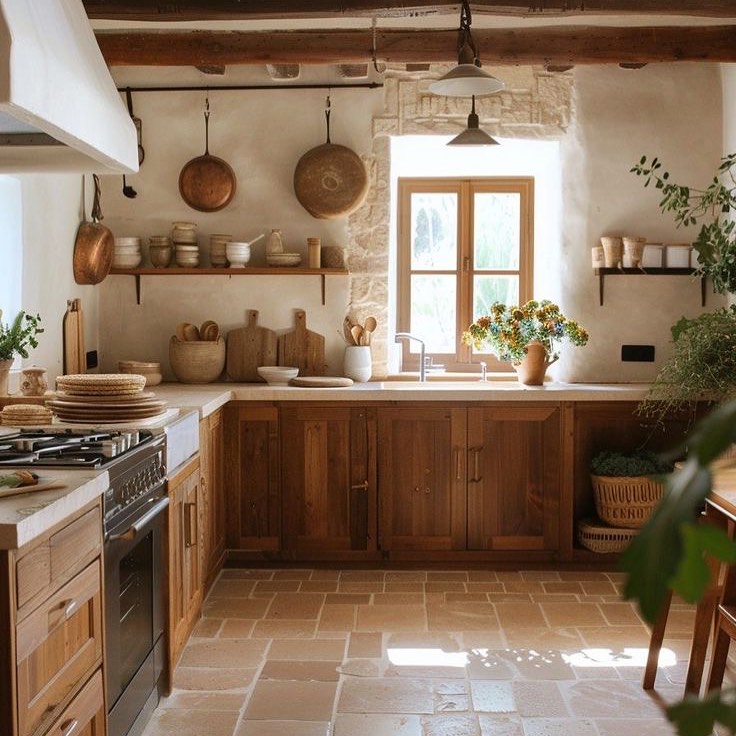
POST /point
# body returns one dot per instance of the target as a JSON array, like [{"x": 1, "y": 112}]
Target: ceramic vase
[
  {"x": 358, "y": 365},
  {"x": 4, "y": 376},
  {"x": 274, "y": 243},
  {"x": 34, "y": 381},
  {"x": 530, "y": 371}
]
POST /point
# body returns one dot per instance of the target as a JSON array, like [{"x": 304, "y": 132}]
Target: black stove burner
[{"x": 68, "y": 447}]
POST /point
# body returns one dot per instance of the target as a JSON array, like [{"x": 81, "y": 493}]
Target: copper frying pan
[
  {"x": 93, "y": 247},
  {"x": 207, "y": 183}
]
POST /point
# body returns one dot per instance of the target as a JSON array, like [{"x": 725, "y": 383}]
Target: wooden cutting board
[
  {"x": 303, "y": 348},
  {"x": 75, "y": 357},
  {"x": 248, "y": 347}
]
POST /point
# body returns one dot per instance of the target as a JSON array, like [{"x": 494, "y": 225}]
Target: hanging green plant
[{"x": 709, "y": 207}]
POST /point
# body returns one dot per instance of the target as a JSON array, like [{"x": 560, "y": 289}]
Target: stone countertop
[
  {"x": 26, "y": 516},
  {"x": 207, "y": 398}
]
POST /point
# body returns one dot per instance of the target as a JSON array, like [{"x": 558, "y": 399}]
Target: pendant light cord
[{"x": 465, "y": 40}]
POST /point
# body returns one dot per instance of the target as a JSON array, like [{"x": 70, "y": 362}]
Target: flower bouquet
[{"x": 508, "y": 330}]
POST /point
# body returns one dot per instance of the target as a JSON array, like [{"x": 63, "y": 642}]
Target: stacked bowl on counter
[
  {"x": 184, "y": 238},
  {"x": 127, "y": 252}
]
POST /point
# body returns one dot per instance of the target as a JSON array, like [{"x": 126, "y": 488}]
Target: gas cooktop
[{"x": 68, "y": 447}]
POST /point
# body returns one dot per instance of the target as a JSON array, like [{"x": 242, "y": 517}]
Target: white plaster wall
[
  {"x": 670, "y": 111},
  {"x": 52, "y": 211},
  {"x": 728, "y": 77},
  {"x": 673, "y": 111},
  {"x": 262, "y": 135}
]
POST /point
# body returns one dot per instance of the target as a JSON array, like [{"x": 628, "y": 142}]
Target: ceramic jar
[
  {"x": 274, "y": 243},
  {"x": 358, "y": 364},
  {"x": 33, "y": 382},
  {"x": 613, "y": 251}
]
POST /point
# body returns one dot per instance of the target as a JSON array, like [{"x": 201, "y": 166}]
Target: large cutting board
[
  {"x": 75, "y": 357},
  {"x": 303, "y": 348},
  {"x": 248, "y": 347}
]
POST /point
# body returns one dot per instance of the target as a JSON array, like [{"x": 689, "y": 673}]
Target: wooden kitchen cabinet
[
  {"x": 457, "y": 481},
  {"x": 253, "y": 478},
  {"x": 329, "y": 482},
  {"x": 184, "y": 571},
  {"x": 421, "y": 476},
  {"x": 513, "y": 479},
  {"x": 212, "y": 509},
  {"x": 51, "y": 631}
]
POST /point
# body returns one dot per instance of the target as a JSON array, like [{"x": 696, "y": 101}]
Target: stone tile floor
[{"x": 420, "y": 653}]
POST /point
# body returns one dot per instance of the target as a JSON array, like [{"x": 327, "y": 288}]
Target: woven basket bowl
[
  {"x": 599, "y": 537},
  {"x": 625, "y": 502},
  {"x": 197, "y": 361}
]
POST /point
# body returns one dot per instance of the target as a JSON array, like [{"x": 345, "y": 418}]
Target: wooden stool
[{"x": 725, "y": 630}]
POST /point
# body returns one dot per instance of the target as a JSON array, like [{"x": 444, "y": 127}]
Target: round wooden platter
[
  {"x": 321, "y": 382},
  {"x": 114, "y": 399}
]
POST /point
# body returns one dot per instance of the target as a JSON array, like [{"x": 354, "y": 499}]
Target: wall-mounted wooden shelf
[
  {"x": 247, "y": 271},
  {"x": 601, "y": 273}
]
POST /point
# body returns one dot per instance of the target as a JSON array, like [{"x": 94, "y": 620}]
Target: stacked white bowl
[
  {"x": 218, "y": 243},
  {"x": 127, "y": 252},
  {"x": 184, "y": 237},
  {"x": 238, "y": 254}
]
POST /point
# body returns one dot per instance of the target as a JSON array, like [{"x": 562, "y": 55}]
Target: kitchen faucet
[{"x": 422, "y": 366}]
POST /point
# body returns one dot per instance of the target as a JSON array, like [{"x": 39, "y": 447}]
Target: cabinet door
[
  {"x": 212, "y": 508},
  {"x": 253, "y": 489},
  {"x": 421, "y": 466},
  {"x": 185, "y": 582},
  {"x": 328, "y": 480},
  {"x": 514, "y": 466}
]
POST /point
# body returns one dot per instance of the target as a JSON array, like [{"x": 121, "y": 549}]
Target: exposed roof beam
[
  {"x": 150, "y": 10},
  {"x": 558, "y": 46}
]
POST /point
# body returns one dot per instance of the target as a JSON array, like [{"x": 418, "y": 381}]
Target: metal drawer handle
[
  {"x": 70, "y": 608},
  {"x": 477, "y": 477},
  {"x": 133, "y": 529},
  {"x": 360, "y": 486},
  {"x": 190, "y": 535},
  {"x": 68, "y": 728}
]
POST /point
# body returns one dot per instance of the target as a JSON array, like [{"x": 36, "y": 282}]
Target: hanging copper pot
[
  {"x": 330, "y": 180},
  {"x": 93, "y": 247},
  {"x": 207, "y": 183}
]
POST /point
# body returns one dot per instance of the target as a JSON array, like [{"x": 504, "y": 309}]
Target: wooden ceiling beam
[
  {"x": 556, "y": 46},
  {"x": 183, "y": 10}
]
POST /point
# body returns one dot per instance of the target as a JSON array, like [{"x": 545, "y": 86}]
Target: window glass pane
[
  {"x": 489, "y": 289},
  {"x": 433, "y": 231},
  {"x": 433, "y": 312},
  {"x": 496, "y": 228}
]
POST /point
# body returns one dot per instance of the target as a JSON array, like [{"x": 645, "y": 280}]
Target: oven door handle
[{"x": 135, "y": 528}]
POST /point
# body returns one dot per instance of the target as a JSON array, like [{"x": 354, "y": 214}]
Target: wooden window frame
[{"x": 465, "y": 188}]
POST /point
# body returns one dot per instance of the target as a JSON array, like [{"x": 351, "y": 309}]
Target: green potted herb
[
  {"x": 16, "y": 339},
  {"x": 626, "y": 486}
]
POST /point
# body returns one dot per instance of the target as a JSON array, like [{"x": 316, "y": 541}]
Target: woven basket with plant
[{"x": 626, "y": 487}]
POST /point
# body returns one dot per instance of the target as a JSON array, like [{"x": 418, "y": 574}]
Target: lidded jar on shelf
[
  {"x": 184, "y": 232},
  {"x": 274, "y": 243}
]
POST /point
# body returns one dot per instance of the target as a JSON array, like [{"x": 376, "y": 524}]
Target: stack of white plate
[
  {"x": 218, "y": 243},
  {"x": 238, "y": 254},
  {"x": 127, "y": 253}
]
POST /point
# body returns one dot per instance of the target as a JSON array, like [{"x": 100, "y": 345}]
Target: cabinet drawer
[
  {"x": 59, "y": 557},
  {"x": 85, "y": 715},
  {"x": 57, "y": 646}
]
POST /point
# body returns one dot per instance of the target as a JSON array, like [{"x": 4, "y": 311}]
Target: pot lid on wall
[{"x": 59, "y": 107}]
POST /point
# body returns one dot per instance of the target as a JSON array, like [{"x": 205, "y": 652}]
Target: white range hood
[{"x": 59, "y": 108}]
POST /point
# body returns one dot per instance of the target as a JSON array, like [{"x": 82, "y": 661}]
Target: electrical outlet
[
  {"x": 91, "y": 359},
  {"x": 637, "y": 353}
]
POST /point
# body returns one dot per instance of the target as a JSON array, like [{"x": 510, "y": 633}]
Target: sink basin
[{"x": 446, "y": 385}]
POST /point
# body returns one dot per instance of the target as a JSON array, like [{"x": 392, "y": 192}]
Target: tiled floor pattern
[{"x": 410, "y": 653}]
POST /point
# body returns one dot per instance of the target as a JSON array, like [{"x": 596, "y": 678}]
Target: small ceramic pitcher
[{"x": 34, "y": 381}]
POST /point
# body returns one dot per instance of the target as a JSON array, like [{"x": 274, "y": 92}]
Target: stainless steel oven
[{"x": 134, "y": 606}]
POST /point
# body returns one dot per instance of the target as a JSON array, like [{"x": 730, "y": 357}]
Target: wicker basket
[
  {"x": 197, "y": 361},
  {"x": 623, "y": 501},
  {"x": 599, "y": 537}
]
